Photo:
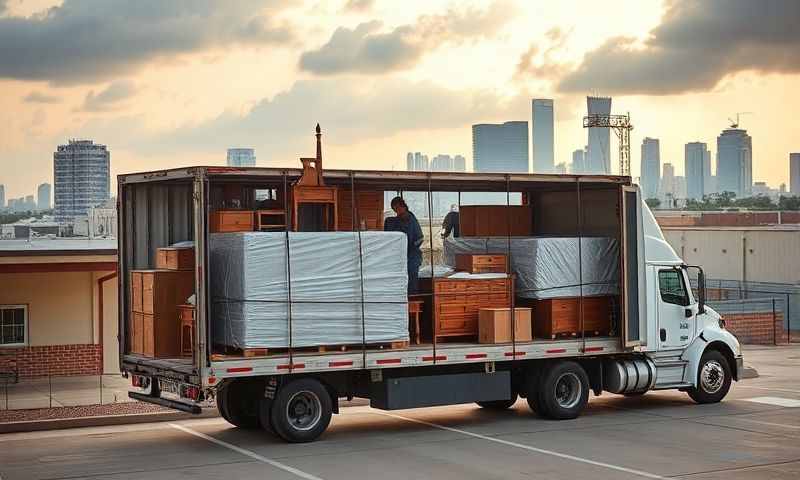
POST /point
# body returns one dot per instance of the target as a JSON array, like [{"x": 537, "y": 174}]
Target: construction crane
[
  {"x": 735, "y": 124},
  {"x": 621, "y": 124}
]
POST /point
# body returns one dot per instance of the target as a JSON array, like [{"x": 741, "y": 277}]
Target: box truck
[{"x": 277, "y": 349}]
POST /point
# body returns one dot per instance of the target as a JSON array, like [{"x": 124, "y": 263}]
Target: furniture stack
[{"x": 155, "y": 296}]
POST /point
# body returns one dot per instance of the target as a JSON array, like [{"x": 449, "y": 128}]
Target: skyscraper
[
  {"x": 650, "y": 167},
  {"x": 81, "y": 171},
  {"x": 2, "y": 197},
  {"x": 735, "y": 162},
  {"x": 409, "y": 161},
  {"x": 43, "y": 197},
  {"x": 500, "y": 147},
  {"x": 459, "y": 163},
  {"x": 542, "y": 135},
  {"x": 697, "y": 167},
  {"x": 241, "y": 157},
  {"x": 578, "y": 165},
  {"x": 667, "y": 188},
  {"x": 794, "y": 174},
  {"x": 599, "y": 159},
  {"x": 442, "y": 163}
]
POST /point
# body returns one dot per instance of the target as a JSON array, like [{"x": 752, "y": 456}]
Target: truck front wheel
[
  {"x": 301, "y": 410},
  {"x": 713, "y": 378},
  {"x": 563, "y": 391}
]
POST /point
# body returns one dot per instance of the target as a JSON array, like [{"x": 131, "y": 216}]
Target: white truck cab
[{"x": 687, "y": 337}]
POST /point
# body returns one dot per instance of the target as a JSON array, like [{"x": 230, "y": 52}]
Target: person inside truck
[
  {"x": 450, "y": 223},
  {"x": 406, "y": 222}
]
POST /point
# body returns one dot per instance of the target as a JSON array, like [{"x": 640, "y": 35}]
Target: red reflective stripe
[
  {"x": 212, "y": 380},
  {"x": 239, "y": 369},
  {"x": 592, "y": 349},
  {"x": 514, "y": 354},
  {"x": 293, "y": 366},
  {"x": 556, "y": 350},
  {"x": 431, "y": 358},
  {"x": 384, "y": 361},
  {"x": 343, "y": 363},
  {"x": 471, "y": 356}
]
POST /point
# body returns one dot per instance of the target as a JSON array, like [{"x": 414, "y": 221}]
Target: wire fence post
[
  {"x": 49, "y": 387},
  {"x": 774, "y": 334}
]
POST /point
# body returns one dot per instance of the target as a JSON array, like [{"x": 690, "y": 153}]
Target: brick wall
[
  {"x": 757, "y": 328},
  {"x": 81, "y": 359}
]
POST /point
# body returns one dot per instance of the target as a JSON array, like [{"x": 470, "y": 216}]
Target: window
[
  {"x": 673, "y": 290},
  {"x": 13, "y": 324}
]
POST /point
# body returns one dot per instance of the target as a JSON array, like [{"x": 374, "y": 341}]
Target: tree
[
  {"x": 789, "y": 203},
  {"x": 653, "y": 203}
]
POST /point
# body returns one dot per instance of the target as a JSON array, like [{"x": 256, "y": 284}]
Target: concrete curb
[
  {"x": 126, "y": 419},
  {"x": 102, "y": 421}
]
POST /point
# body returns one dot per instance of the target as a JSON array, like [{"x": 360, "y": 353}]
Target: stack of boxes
[{"x": 155, "y": 296}]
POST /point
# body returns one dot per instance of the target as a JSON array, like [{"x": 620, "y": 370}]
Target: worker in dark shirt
[
  {"x": 450, "y": 223},
  {"x": 406, "y": 222}
]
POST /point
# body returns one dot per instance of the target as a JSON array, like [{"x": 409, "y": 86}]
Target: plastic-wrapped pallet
[
  {"x": 250, "y": 290},
  {"x": 549, "y": 267}
]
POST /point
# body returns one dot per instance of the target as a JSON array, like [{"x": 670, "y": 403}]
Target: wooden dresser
[
  {"x": 456, "y": 303},
  {"x": 155, "y": 296},
  {"x": 561, "y": 316},
  {"x": 222, "y": 221}
]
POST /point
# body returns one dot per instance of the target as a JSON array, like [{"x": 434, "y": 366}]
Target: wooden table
[{"x": 414, "y": 312}]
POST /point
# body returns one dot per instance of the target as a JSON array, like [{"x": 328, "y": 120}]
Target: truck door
[
  {"x": 676, "y": 309},
  {"x": 634, "y": 326}
]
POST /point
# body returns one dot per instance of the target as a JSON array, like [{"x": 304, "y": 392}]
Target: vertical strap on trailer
[
  {"x": 353, "y": 213},
  {"x": 510, "y": 289},
  {"x": 288, "y": 271},
  {"x": 433, "y": 276},
  {"x": 580, "y": 266}
]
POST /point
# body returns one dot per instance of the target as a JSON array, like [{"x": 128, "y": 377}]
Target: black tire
[
  {"x": 237, "y": 402},
  {"x": 265, "y": 415},
  {"x": 499, "y": 404},
  {"x": 563, "y": 391},
  {"x": 301, "y": 410},
  {"x": 713, "y": 378}
]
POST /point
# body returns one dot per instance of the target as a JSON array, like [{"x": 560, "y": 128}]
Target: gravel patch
[{"x": 125, "y": 408}]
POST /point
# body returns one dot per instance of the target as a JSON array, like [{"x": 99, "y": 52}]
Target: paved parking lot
[{"x": 753, "y": 434}]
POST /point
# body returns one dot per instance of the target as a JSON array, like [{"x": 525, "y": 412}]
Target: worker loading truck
[{"x": 278, "y": 291}]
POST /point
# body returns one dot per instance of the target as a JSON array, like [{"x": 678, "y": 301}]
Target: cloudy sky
[{"x": 172, "y": 83}]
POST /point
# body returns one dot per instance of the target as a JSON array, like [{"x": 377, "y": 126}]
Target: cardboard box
[
  {"x": 170, "y": 258},
  {"x": 494, "y": 325}
]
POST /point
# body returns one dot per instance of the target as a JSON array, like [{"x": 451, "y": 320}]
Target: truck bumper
[{"x": 739, "y": 368}]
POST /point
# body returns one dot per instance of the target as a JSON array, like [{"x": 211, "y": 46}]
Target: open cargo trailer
[{"x": 293, "y": 391}]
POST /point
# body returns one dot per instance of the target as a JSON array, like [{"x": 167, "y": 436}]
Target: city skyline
[{"x": 443, "y": 78}]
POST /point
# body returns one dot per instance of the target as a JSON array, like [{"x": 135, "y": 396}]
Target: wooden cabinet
[
  {"x": 494, "y": 325},
  {"x": 221, "y": 221},
  {"x": 491, "y": 263},
  {"x": 322, "y": 197},
  {"x": 561, "y": 316},
  {"x": 369, "y": 209},
  {"x": 456, "y": 303},
  {"x": 154, "y": 322},
  {"x": 495, "y": 220},
  {"x": 170, "y": 258}
]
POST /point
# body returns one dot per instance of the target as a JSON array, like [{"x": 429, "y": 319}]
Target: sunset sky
[{"x": 174, "y": 83}]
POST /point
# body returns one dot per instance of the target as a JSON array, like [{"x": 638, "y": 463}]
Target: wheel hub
[
  {"x": 304, "y": 410},
  {"x": 568, "y": 390},
  {"x": 712, "y": 376}
]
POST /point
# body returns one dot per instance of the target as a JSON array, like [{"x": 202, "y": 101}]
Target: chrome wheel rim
[
  {"x": 568, "y": 390},
  {"x": 303, "y": 410},
  {"x": 712, "y": 376}
]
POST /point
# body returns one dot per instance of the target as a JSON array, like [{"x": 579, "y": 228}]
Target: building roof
[{"x": 59, "y": 246}]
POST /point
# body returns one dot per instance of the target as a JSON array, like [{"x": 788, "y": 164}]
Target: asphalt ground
[{"x": 753, "y": 434}]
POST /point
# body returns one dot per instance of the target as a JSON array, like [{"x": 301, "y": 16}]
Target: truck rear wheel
[
  {"x": 499, "y": 404},
  {"x": 563, "y": 391},
  {"x": 713, "y": 378},
  {"x": 301, "y": 410},
  {"x": 237, "y": 402}
]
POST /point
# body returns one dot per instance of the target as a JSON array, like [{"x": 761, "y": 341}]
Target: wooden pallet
[{"x": 265, "y": 352}]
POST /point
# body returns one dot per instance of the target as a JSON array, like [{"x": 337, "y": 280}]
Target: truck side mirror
[{"x": 701, "y": 291}]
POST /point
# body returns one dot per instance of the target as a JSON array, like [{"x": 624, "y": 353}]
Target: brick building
[{"x": 58, "y": 306}]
